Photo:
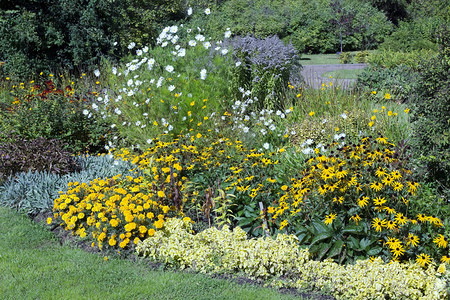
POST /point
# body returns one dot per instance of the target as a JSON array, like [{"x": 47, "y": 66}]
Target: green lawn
[
  {"x": 33, "y": 265},
  {"x": 343, "y": 74},
  {"x": 319, "y": 59}
]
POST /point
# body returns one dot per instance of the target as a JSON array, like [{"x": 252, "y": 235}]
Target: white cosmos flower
[
  {"x": 308, "y": 151},
  {"x": 189, "y": 11},
  {"x": 132, "y": 67},
  {"x": 131, "y": 45},
  {"x": 207, "y": 11},
  {"x": 149, "y": 141},
  {"x": 174, "y": 40},
  {"x": 145, "y": 49},
  {"x": 182, "y": 52},
  {"x": 266, "y": 146},
  {"x": 164, "y": 44},
  {"x": 245, "y": 129},
  {"x": 130, "y": 93},
  {"x": 117, "y": 111},
  {"x": 192, "y": 43},
  {"x": 238, "y": 64},
  {"x": 130, "y": 82},
  {"x": 173, "y": 29},
  {"x": 206, "y": 45},
  {"x": 309, "y": 141},
  {"x": 138, "y": 123},
  {"x": 199, "y": 37},
  {"x": 344, "y": 116},
  {"x": 85, "y": 112},
  {"x": 203, "y": 74},
  {"x": 139, "y": 52},
  {"x": 170, "y": 128},
  {"x": 227, "y": 33},
  {"x": 97, "y": 73},
  {"x": 114, "y": 70},
  {"x": 224, "y": 51},
  {"x": 169, "y": 68},
  {"x": 171, "y": 88},
  {"x": 159, "y": 83},
  {"x": 94, "y": 106},
  {"x": 263, "y": 131},
  {"x": 272, "y": 127}
]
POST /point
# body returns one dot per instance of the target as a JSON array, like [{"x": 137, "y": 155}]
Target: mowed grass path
[{"x": 33, "y": 265}]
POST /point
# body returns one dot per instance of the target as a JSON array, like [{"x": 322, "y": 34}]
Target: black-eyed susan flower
[
  {"x": 378, "y": 224},
  {"x": 329, "y": 218},
  {"x": 412, "y": 240},
  {"x": 423, "y": 259},
  {"x": 440, "y": 241}
]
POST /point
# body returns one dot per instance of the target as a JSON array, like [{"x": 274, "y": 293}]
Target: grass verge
[{"x": 33, "y": 265}]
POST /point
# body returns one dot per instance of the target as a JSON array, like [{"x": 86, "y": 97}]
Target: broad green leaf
[
  {"x": 374, "y": 251},
  {"x": 323, "y": 250},
  {"x": 336, "y": 249},
  {"x": 321, "y": 237},
  {"x": 321, "y": 227}
]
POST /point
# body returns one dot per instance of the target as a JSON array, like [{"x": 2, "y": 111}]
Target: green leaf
[
  {"x": 336, "y": 249},
  {"x": 320, "y": 227},
  {"x": 374, "y": 251},
  {"x": 320, "y": 237},
  {"x": 323, "y": 250},
  {"x": 353, "y": 229},
  {"x": 364, "y": 243}
]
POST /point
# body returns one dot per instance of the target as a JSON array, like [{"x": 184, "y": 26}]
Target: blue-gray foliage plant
[
  {"x": 265, "y": 67},
  {"x": 34, "y": 192}
]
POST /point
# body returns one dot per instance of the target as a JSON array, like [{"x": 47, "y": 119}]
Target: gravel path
[{"x": 313, "y": 75}]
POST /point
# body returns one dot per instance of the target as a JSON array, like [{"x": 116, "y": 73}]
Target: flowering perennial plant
[{"x": 360, "y": 189}]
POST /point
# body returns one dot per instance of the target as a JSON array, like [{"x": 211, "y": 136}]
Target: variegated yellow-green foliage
[{"x": 224, "y": 250}]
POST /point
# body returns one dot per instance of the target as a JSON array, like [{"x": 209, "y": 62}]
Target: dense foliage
[
  {"x": 39, "y": 154},
  {"x": 44, "y": 110},
  {"x": 432, "y": 114}
]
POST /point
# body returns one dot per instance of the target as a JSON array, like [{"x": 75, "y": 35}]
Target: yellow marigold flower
[
  {"x": 136, "y": 240},
  {"x": 407, "y": 110},
  {"x": 199, "y": 135},
  {"x": 161, "y": 194},
  {"x": 130, "y": 226},
  {"x": 159, "y": 224},
  {"x": 329, "y": 219},
  {"x": 114, "y": 222},
  {"x": 150, "y": 215},
  {"x": 423, "y": 259},
  {"x": 284, "y": 187},
  {"x": 387, "y": 96},
  {"x": 373, "y": 92},
  {"x": 112, "y": 242},
  {"x": 151, "y": 232},
  {"x": 49, "y": 221},
  {"x": 165, "y": 209},
  {"x": 441, "y": 241},
  {"x": 311, "y": 113}
]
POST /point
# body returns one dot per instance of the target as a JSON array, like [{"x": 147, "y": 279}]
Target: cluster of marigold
[
  {"x": 115, "y": 212},
  {"x": 363, "y": 182}
]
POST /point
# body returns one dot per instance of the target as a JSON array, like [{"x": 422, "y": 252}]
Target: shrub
[
  {"x": 401, "y": 82},
  {"x": 263, "y": 66},
  {"x": 391, "y": 59},
  {"x": 431, "y": 115},
  {"x": 40, "y": 154},
  {"x": 55, "y": 113},
  {"x": 362, "y": 56},
  {"x": 345, "y": 57},
  {"x": 35, "y": 191},
  {"x": 76, "y": 35}
]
